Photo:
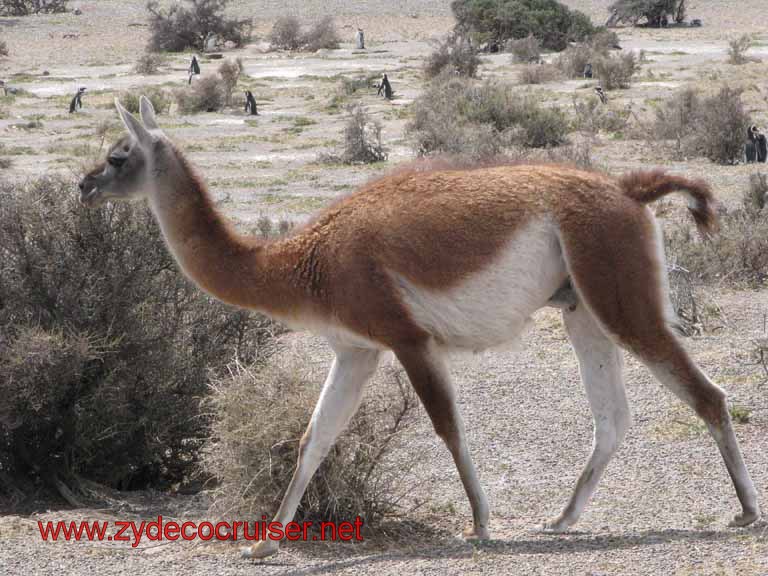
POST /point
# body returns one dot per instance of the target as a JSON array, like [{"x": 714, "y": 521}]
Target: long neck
[{"x": 236, "y": 269}]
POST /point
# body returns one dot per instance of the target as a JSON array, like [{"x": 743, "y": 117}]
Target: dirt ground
[{"x": 665, "y": 501}]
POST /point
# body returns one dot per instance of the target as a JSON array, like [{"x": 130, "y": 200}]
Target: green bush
[
  {"x": 652, "y": 11},
  {"x": 551, "y": 22},
  {"x": 105, "y": 349},
  {"x": 27, "y": 7}
]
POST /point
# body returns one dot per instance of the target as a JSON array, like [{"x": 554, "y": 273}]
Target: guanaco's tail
[{"x": 646, "y": 187}]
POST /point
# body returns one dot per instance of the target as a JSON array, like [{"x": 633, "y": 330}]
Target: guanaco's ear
[
  {"x": 147, "y": 112},
  {"x": 133, "y": 125}
]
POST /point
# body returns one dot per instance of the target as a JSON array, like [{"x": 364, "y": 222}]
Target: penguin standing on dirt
[
  {"x": 385, "y": 87},
  {"x": 250, "y": 104},
  {"x": 194, "y": 68},
  {"x": 77, "y": 101},
  {"x": 588, "y": 71}
]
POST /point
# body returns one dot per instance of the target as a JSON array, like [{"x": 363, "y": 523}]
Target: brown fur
[
  {"x": 647, "y": 187},
  {"x": 435, "y": 228}
]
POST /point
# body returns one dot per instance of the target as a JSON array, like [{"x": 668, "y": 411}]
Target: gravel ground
[{"x": 664, "y": 503}]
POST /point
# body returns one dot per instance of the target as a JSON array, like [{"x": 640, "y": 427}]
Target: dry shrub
[
  {"x": 738, "y": 253},
  {"x": 713, "y": 127},
  {"x": 604, "y": 40},
  {"x": 27, "y": 7},
  {"x": 454, "y": 55},
  {"x": 105, "y": 349},
  {"x": 459, "y": 117},
  {"x": 191, "y": 24},
  {"x": 737, "y": 49},
  {"x": 616, "y": 71},
  {"x": 539, "y": 73},
  {"x": 321, "y": 36},
  {"x": 579, "y": 154},
  {"x": 574, "y": 59},
  {"x": 350, "y": 86},
  {"x": 288, "y": 34},
  {"x": 720, "y": 127},
  {"x": 160, "y": 99},
  {"x": 205, "y": 95},
  {"x": 526, "y": 50},
  {"x": 259, "y": 415},
  {"x": 677, "y": 116},
  {"x": 756, "y": 195},
  {"x": 362, "y": 140},
  {"x": 149, "y": 63},
  {"x": 592, "y": 116},
  {"x": 230, "y": 72}
]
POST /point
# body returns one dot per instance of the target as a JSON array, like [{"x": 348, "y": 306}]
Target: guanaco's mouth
[{"x": 89, "y": 195}]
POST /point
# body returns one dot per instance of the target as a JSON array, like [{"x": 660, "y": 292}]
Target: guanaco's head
[{"x": 126, "y": 173}]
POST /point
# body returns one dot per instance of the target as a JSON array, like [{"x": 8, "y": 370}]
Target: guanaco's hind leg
[
  {"x": 339, "y": 400},
  {"x": 679, "y": 373},
  {"x": 429, "y": 376},
  {"x": 618, "y": 272},
  {"x": 600, "y": 365}
]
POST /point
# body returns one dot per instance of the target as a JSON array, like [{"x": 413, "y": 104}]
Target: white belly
[{"x": 493, "y": 306}]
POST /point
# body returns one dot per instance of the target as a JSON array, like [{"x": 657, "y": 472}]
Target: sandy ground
[{"x": 664, "y": 503}]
